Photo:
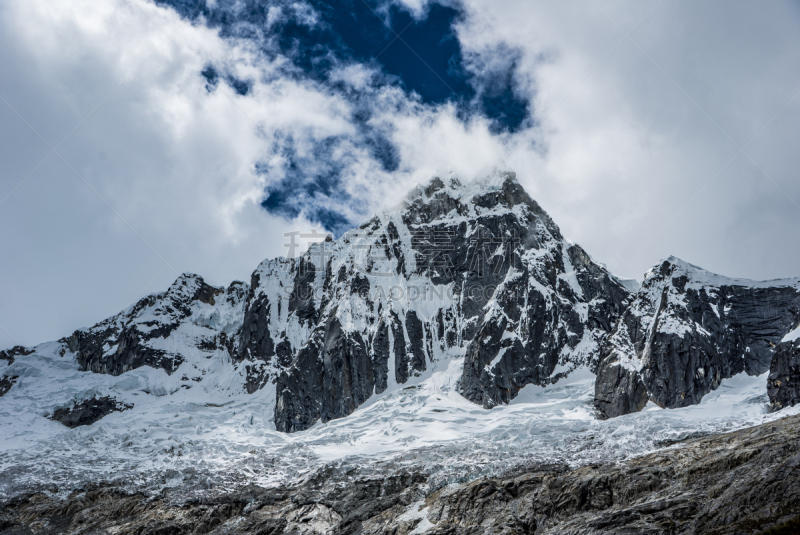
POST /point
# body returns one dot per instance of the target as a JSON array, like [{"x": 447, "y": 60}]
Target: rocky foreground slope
[{"x": 747, "y": 481}]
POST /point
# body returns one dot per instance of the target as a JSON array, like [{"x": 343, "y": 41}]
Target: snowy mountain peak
[
  {"x": 467, "y": 274},
  {"x": 677, "y": 270},
  {"x": 451, "y": 200},
  {"x": 686, "y": 330}
]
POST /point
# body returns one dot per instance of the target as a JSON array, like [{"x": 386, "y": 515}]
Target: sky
[{"x": 140, "y": 139}]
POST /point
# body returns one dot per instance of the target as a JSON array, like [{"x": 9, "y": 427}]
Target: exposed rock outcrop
[
  {"x": 783, "y": 384},
  {"x": 548, "y": 317},
  {"x": 9, "y": 354},
  {"x": 685, "y": 331},
  {"x": 88, "y": 411},
  {"x": 8, "y": 379},
  {"x": 159, "y": 328},
  {"x": 6, "y": 382}
]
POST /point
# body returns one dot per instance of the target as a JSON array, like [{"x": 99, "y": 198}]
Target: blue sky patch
[{"x": 421, "y": 55}]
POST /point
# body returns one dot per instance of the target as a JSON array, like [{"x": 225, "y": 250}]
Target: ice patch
[{"x": 792, "y": 336}]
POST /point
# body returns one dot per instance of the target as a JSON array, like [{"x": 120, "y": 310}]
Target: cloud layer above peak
[{"x": 190, "y": 135}]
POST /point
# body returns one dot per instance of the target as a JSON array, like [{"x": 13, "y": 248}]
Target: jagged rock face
[
  {"x": 685, "y": 331},
  {"x": 159, "y": 329},
  {"x": 479, "y": 268},
  {"x": 272, "y": 331},
  {"x": 547, "y": 317},
  {"x": 783, "y": 384}
]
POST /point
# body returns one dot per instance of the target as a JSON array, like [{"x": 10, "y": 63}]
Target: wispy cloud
[{"x": 253, "y": 119}]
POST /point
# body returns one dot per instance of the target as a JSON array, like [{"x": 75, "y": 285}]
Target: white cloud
[
  {"x": 632, "y": 130},
  {"x": 619, "y": 151},
  {"x": 167, "y": 159},
  {"x": 169, "y": 169}
]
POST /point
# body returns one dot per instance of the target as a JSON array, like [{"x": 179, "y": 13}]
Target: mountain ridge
[{"x": 473, "y": 270}]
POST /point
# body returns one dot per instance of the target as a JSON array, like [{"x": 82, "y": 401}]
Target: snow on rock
[
  {"x": 456, "y": 270},
  {"x": 377, "y": 351},
  {"x": 189, "y": 321},
  {"x": 686, "y": 330}
]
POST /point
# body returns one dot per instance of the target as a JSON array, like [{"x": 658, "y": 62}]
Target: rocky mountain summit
[
  {"x": 477, "y": 271},
  {"x": 450, "y": 366},
  {"x": 473, "y": 273},
  {"x": 686, "y": 330}
]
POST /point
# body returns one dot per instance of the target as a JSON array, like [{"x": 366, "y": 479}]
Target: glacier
[{"x": 213, "y": 436}]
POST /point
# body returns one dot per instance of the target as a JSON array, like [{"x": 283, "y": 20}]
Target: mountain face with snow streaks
[
  {"x": 161, "y": 329},
  {"x": 686, "y": 330},
  {"x": 448, "y": 273},
  {"x": 475, "y": 276},
  {"x": 547, "y": 318}
]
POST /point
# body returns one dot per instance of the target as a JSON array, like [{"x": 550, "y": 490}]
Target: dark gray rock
[
  {"x": 416, "y": 338},
  {"x": 687, "y": 330},
  {"x": 298, "y": 396},
  {"x": 88, "y": 411},
  {"x": 380, "y": 357},
  {"x": 254, "y": 340},
  {"x": 6, "y": 382},
  {"x": 9, "y": 354},
  {"x": 783, "y": 384},
  {"x": 347, "y": 378},
  {"x": 480, "y": 268},
  {"x": 554, "y": 312},
  {"x": 618, "y": 390},
  {"x": 302, "y": 301},
  {"x": 401, "y": 371}
]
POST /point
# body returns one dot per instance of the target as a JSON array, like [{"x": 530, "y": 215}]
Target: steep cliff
[
  {"x": 476, "y": 268},
  {"x": 686, "y": 330},
  {"x": 783, "y": 384}
]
